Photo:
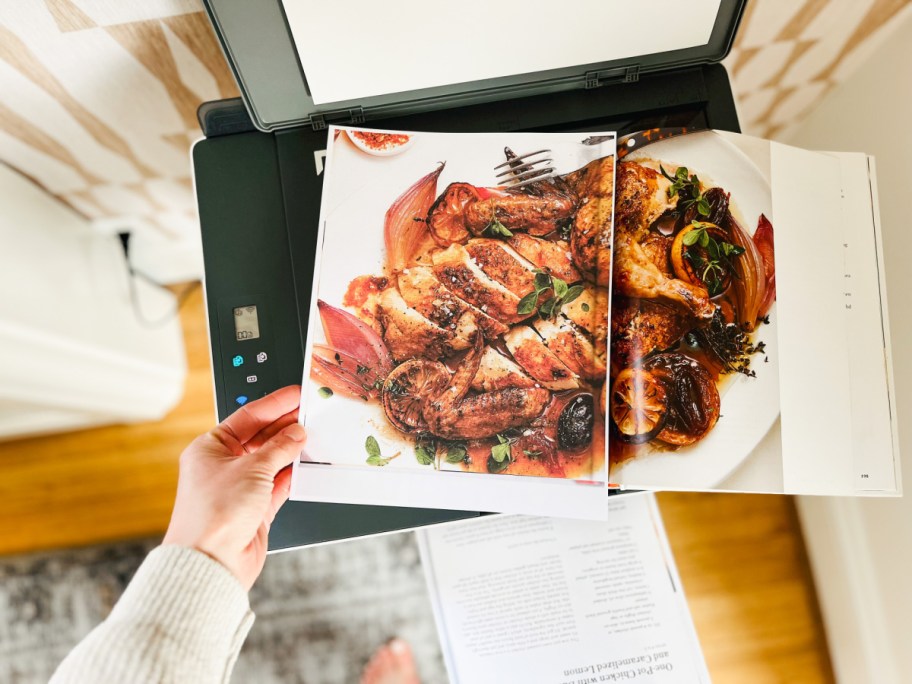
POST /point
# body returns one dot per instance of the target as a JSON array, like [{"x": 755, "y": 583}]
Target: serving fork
[{"x": 525, "y": 168}]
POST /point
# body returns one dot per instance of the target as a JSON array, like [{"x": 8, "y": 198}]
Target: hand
[{"x": 234, "y": 479}]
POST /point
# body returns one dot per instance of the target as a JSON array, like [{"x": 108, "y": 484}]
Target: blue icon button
[
  {"x": 242, "y": 399},
  {"x": 237, "y": 361}
]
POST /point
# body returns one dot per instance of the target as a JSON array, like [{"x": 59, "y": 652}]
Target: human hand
[{"x": 234, "y": 479}]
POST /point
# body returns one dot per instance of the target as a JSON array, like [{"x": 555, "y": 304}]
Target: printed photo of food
[
  {"x": 461, "y": 304},
  {"x": 693, "y": 387}
]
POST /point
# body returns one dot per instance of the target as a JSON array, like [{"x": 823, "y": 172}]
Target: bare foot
[{"x": 391, "y": 664}]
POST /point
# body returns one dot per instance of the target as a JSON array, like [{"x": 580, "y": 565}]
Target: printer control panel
[{"x": 247, "y": 362}]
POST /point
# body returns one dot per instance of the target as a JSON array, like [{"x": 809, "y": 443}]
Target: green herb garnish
[
  {"x": 501, "y": 450},
  {"x": 325, "y": 392},
  {"x": 711, "y": 258},
  {"x": 374, "y": 457},
  {"x": 496, "y": 229},
  {"x": 424, "y": 455},
  {"x": 687, "y": 187},
  {"x": 456, "y": 453},
  {"x": 544, "y": 281}
]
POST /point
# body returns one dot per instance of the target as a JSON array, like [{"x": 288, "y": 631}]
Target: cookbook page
[
  {"x": 748, "y": 321},
  {"x": 457, "y": 346},
  {"x": 695, "y": 344},
  {"x": 546, "y": 601}
]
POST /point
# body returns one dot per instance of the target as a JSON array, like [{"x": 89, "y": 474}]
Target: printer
[{"x": 577, "y": 66}]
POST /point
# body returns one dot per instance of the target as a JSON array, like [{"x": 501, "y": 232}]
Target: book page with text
[{"x": 551, "y": 601}]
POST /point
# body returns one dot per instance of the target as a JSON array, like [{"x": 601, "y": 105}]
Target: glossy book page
[{"x": 459, "y": 326}]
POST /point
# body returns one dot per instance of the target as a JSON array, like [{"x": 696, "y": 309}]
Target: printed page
[
  {"x": 748, "y": 321},
  {"x": 694, "y": 398},
  {"x": 546, "y": 601},
  {"x": 457, "y": 347},
  {"x": 837, "y": 438}
]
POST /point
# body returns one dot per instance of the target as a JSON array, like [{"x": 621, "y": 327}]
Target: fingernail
[
  {"x": 296, "y": 432},
  {"x": 398, "y": 646}
]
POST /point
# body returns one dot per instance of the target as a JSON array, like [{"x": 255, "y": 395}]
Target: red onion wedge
[
  {"x": 763, "y": 238},
  {"x": 750, "y": 283},
  {"x": 405, "y": 227},
  {"x": 354, "y": 357}
]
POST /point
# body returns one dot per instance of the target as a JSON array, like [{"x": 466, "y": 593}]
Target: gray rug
[{"x": 320, "y": 612}]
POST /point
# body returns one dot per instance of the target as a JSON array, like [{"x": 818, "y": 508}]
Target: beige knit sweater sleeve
[{"x": 183, "y": 618}]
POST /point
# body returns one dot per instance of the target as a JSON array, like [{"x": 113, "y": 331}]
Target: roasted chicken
[
  {"x": 536, "y": 214},
  {"x": 452, "y": 414},
  {"x": 642, "y": 197},
  {"x": 590, "y": 234}
]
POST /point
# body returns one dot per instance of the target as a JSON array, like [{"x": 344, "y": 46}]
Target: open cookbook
[
  {"x": 598, "y": 602},
  {"x": 528, "y": 322}
]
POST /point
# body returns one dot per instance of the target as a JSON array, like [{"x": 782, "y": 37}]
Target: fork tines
[{"x": 526, "y": 168}]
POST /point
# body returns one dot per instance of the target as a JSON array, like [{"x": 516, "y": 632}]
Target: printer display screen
[{"x": 246, "y": 323}]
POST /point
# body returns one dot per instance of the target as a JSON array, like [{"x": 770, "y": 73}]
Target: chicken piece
[
  {"x": 422, "y": 291},
  {"x": 573, "y": 348},
  {"x": 590, "y": 234},
  {"x": 656, "y": 248},
  {"x": 452, "y": 415},
  {"x": 457, "y": 271},
  {"x": 537, "y": 360},
  {"x": 496, "y": 372},
  {"x": 589, "y": 311},
  {"x": 642, "y": 326},
  {"x": 409, "y": 335},
  {"x": 642, "y": 198},
  {"x": 519, "y": 211},
  {"x": 500, "y": 262},
  {"x": 551, "y": 255}
]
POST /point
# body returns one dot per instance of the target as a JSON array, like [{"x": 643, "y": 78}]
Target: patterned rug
[{"x": 320, "y": 612}]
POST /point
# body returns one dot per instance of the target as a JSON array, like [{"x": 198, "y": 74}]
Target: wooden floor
[{"x": 741, "y": 558}]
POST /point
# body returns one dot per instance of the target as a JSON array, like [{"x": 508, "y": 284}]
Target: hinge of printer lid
[
  {"x": 629, "y": 74},
  {"x": 353, "y": 115}
]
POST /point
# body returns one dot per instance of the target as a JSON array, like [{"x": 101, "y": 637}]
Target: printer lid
[{"x": 304, "y": 63}]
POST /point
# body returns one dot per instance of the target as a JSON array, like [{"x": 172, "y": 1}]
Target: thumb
[
  {"x": 281, "y": 449},
  {"x": 281, "y": 488}
]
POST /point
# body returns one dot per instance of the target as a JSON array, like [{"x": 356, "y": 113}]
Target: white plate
[
  {"x": 750, "y": 406},
  {"x": 388, "y": 152}
]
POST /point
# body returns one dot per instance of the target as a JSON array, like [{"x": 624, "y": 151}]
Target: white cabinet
[{"x": 73, "y": 353}]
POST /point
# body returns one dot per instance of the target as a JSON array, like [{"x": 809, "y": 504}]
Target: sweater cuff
[{"x": 192, "y": 598}]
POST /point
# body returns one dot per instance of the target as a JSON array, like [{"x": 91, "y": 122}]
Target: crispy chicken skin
[
  {"x": 536, "y": 215},
  {"x": 410, "y": 335},
  {"x": 497, "y": 371},
  {"x": 538, "y": 361},
  {"x": 422, "y": 291},
  {"x": 643, "y": 197},
  {"x": 551, "y": 255},
  {"x": 459, "y": 273},
  {"x": 500, "y": 262},
  {"x": 656, "y": 248},
  {"x": 452, "y": 415},
  {"x": 572, "y": 347},
  {"x": 590, "y": 234},
  {"x": 640, "y": 327},
  {"x": 589, "y": 312}
]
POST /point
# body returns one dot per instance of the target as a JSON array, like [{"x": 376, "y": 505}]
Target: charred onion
[
  {"x": 404, "y": 227},
  {"x": 750, "y": 281}
]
